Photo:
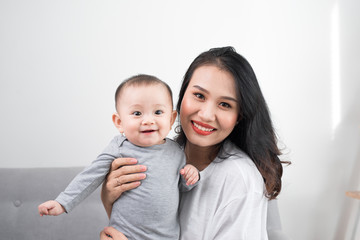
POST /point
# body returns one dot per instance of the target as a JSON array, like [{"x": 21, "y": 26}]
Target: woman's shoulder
[
  {"x": 233, "y": 157},
  {"x": 239, "y": 169}
]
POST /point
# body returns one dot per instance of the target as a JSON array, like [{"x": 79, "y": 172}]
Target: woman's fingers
[
  {"x": 126, "y": 169},
  {"x": 112, "y": 233},
  {"x": 128, "y": 186},
  {"x": 124, "y": 175},
  {"x": 119, "y": 162},
  {"x": 119, "y": 181},
  {"x": 114, "y": 187},
  {"x": 103, "y": 236},
  {"x": 122, "y": 179}
]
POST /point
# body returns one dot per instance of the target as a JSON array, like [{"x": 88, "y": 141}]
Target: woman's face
[{"x": 209, "y": 109}]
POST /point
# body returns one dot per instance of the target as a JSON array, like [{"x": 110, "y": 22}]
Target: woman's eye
[
  {"x": 225, "y": 105},
  {"x": 199, "y": 95},
  {"x": 158, "y": 112},
  {"x": 136, "y": 113}
]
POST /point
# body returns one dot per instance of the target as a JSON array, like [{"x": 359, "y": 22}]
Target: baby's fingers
[
  {"x": 43, "y": 210},
  {"x": 51, "y": 207},
  {"x": 190, "y": 180},
  {"x": 192, "y": 177}
]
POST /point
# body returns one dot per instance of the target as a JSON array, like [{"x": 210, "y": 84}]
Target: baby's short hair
[{"x": 141, "y": 80}]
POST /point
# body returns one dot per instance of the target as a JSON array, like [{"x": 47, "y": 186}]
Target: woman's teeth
[{"x": 203, "y": 128}]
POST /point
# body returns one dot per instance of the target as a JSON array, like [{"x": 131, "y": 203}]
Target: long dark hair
[{"x": 254, "y": 133}]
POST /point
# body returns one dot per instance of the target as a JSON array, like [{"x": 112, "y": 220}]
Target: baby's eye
[
  {"x": 199, "y": 95},
  {"x": 158, "y": 112},
  {"x": 225, "y": 105},
  {"x": 136, "y": 113}
]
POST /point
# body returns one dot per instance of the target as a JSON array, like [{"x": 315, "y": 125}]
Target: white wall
[{"x": 60, "y": 62}]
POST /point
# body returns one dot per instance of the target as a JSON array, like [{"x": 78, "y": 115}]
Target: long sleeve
[{"x": 90, "y": 178}]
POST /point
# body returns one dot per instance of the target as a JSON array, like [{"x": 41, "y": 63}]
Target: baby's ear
[
  {"x": 117, "y": 122},
  {"x": 173, "y": 117}
]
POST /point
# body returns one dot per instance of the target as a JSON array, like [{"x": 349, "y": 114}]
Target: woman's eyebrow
[
  {"x": 224, "y": 97},
  {"x": 230, "y": 98},
  {"x": 201, "y": 89}
]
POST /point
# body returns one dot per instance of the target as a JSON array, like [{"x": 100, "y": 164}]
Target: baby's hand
[
  {"x": 190, "y": 174},
  {"x": 52, "y": 208}
]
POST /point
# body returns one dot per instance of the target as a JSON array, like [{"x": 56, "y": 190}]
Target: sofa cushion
[{"x": 23, "y": 189}]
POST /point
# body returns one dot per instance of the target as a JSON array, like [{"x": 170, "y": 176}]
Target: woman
[{"x": 227, "y": 133}]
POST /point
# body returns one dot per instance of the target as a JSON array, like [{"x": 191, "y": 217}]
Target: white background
[{"x": 61, "y": 61}]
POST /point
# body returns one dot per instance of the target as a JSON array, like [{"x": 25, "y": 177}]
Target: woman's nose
[{"x": 207, "y": 113}]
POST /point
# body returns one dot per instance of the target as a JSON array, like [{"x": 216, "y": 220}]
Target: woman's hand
[
  {"x": 124, "y": 175},
  {"x": 110, "y": 233}
]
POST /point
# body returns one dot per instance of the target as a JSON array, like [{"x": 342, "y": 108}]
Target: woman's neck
[{"x": 200, "y": 157}]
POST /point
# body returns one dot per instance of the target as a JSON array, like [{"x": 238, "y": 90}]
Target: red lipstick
[{"x": 205, "y": 128}]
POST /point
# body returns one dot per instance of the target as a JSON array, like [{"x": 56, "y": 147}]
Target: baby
[{"x": 144, "y": 116}]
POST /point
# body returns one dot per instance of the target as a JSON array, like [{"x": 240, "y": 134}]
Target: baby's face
[{"x": 145, "y": 113}]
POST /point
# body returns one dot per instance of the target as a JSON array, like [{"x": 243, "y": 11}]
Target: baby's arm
[
  {"x": 52, "y": 208},
  {"x": 190, "y": 174}
]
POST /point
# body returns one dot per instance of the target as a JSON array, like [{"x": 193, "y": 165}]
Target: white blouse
[{"x": 228, "y": 203}]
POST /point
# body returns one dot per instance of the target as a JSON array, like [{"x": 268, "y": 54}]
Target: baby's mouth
[{"x": 148, "y": 131}]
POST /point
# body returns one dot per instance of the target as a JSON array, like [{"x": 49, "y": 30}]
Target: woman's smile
[{"x": 202, "y": 129}]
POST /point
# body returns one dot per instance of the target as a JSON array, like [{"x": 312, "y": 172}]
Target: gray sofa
[{"x": 23, "y": 189}]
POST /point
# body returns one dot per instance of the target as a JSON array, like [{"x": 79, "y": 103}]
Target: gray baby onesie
[{"x": 149, "y": 211}]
